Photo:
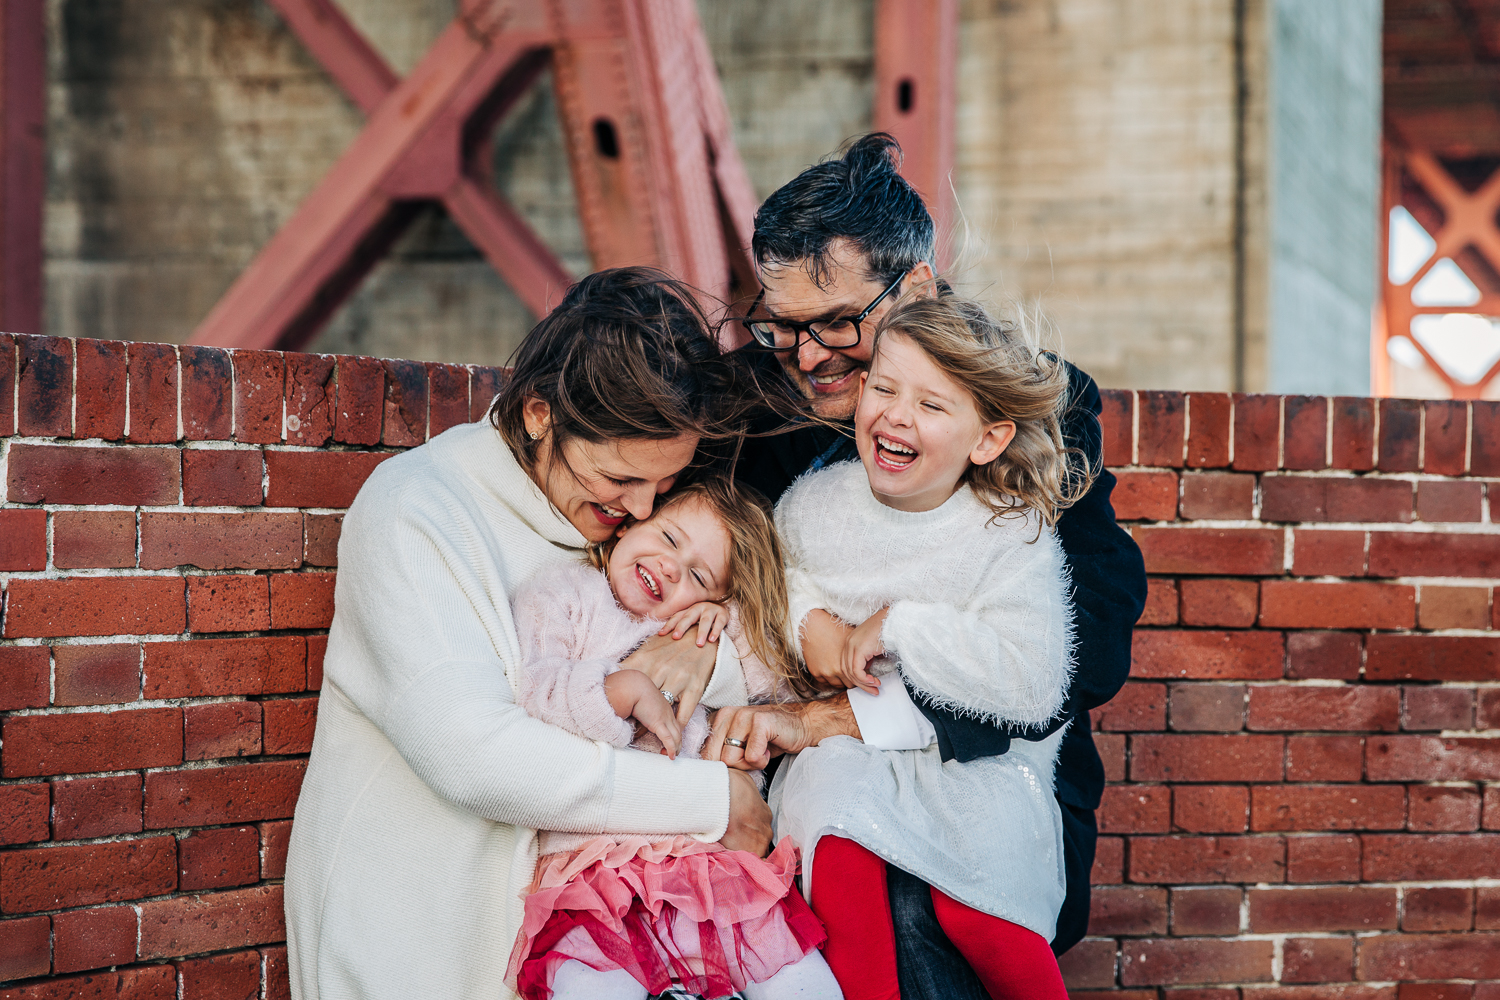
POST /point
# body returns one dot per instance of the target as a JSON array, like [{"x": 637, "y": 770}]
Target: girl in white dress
[{"x": 938, "y": 549}]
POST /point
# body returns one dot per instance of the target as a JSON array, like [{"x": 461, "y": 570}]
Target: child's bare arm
[{"x": 632, "y": 695}]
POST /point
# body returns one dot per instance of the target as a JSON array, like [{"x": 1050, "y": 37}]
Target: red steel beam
[{"x": 23, "y": 178}]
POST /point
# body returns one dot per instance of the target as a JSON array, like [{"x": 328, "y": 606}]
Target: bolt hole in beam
[
  {"x": 606, "y": 139},
  {"x": 906, "y": 96}
]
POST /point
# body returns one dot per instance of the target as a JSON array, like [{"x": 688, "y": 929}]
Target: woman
[{"x": 415, "y": 831}]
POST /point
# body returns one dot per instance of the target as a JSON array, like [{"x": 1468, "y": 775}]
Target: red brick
[
  {"x": 1396, "y": 553},
  {"x": 120, "y": 605},
  {"x": 24, "y": 676},
  {"x": 1282, "y": 808},
  {"x": 223, "y": 729},
  {"x": 99, "y": 389},
  {"x": 1111, "y": 747},
  {"x": 1090, "y": 964},
  {"x": 1453, "y": 607},
  {"x": 1128, "y": 910},
  {"x": 1109, "y": 861},
  {"x": 361, "y": 395},
  {"x": 1439, "y": 808},
  {"x": 1207, "y": 707},
  {"x": 153, "y": 393},
  {"x": 1430, "y": 658},
  {"x": 317, "y": 646},
  {"x": 1202, "y": 960},
  {"x": 1204, "y": 655},
  {"x": 289, "y": 725},
  {"x": 274, "y": 837},
  {"x": 1353, "y": 433},
  {"x": 223, "y": 977},
  {"x": 1317, "y": 960},
  {"x": 1487, "y": 711},
  {"x": 1161, "y": 603},
  {"x": 1206, "y": 911},
  {"x": 1160, "y": 434},
  {"x": 1328, "y": 553},
  {"x": 1487, "y": 908},
  {"x": 1306, "y": 445},
  {"x": 278, "y": 974},
  {"x": 485, "y": 383},
  {"x": 96, "y": 807},
  {"x": 1257, "y": 432},
  {"x": 1145, "y": 496},
  {"x": 233, "y": 603},
  {"x": 45, "y": 391},
  {"x": 1432, "y": 758},
  {"x": 212, "y": 922},
  {"x": 1208, "y": 430},
  {"x": 83, "y": 742},
  {"x": 1446, "y": 956},
  {"x": 301, "y": 600},
  {"x": 1218, "y": 495},
  {"x": 1212, "y": 551},
  {"x": 25, "y": 947},
  {"x": 50, "y": 878},
  {"x": 102, "y": 674},
  {"x": 1350, "y": 709},
  {"x": 23, "y": 540},
  {"x": 1325, "y": 758},
  {"x": 449, "y": 404},
  {"x": 320, "y": 539},
  {"x": 218, "y": 859},
  {"x": 1137, "y": 707},
  {"x": 7, "y": 384},
  {"x": 1323, "y": 655},
  {"x": 221, "y": 541},
  {"x": 259, "y": 386},
  {"x": 1400, "y": 435},
  {"x": 153, "y": 982},
  {"x": 1437, "y": 708},
  {"x": 23, "y": 813},
  {"x": 405, "y": 422},
  {"x": 88, "y": 539},
  {"x": 55, "y": 474},
  {"x": 206, "y": 667},
  {"x": 1428, "y": 857},
  {"x": 1303, "y": 604},
  {"x": 1484, "y": 459},
  {"x": 1491, "y": 819},
  {"x": 1221, "y": 603},
  {"x": 1449, "y": 501},
  {"x": 1437, "y": 991},
  {"x": 318, "y": 479},
  {"x": 94, "y": 939},
  {"x": 1323, "y": 859},
  {"x": 244, "y": 793},
  {"x": 1445, "y": 434},
  {"x": 310, "y": 394},
  {"x": 1328, "y": 498},
  {"x": 219, "y": 478},
  {"x": 1206, "y": 758},
  {"x": 1334, "y": 908},
  {"x": 1210, "y": 808},
  {"x": 1438, "y": 909},
  {"x": 207, "y": 394},
  {"x": 1135, "y": 809}
]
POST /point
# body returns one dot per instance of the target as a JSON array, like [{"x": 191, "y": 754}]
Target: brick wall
[{"x": 1303, "y": 770}]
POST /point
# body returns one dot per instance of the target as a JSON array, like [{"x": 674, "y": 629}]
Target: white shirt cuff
[{"x": 890, "y": 720}]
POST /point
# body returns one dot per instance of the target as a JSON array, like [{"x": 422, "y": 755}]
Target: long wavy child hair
[
  {"x": 1009, "y": 380},
  {"x": 757, "y": 569}
]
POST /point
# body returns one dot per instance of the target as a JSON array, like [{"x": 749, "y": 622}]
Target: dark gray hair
[{"x": 859, "y": 196}]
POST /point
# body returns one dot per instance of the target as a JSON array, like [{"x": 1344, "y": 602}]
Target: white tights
[{"x": 808, "y": 979}]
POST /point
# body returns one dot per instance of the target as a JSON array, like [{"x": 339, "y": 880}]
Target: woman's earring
[{"x": 535, "y": 435}]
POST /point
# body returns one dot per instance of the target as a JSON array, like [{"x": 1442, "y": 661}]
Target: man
[{"x": 835, "y": 249}]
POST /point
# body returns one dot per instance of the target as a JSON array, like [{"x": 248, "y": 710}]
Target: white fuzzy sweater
[{"x": 415, "y": 831}]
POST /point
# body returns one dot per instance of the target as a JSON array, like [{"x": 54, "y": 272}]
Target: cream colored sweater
[{"x": 415, "y": 831}]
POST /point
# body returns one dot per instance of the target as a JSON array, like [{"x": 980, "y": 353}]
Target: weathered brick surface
[
  {"x": 50, "y": 878},
  {"x": 1340, "y": 908},
  {"x": 123, "y": 605},
  {"x": 50, "y": 474}
]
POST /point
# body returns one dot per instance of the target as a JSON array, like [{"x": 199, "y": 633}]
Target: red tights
[{"x": 849, "y": 894}]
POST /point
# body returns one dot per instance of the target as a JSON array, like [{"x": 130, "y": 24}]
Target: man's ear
[
  {"x": 536, "y": 414},
  {"x": 993, "y": 442},
  {"x": 922, "y": 281}
]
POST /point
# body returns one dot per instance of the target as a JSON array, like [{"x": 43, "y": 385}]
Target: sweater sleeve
[{"x": 421, "y": 641}]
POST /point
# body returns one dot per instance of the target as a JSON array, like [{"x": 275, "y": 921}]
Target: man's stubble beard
[{"x": 840, "y": 407}]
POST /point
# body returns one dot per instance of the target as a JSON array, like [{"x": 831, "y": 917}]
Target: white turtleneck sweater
[{"x": 415, "y": 831}]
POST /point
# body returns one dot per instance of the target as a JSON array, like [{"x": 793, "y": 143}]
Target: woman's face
[{"x": 669, "y": 563}]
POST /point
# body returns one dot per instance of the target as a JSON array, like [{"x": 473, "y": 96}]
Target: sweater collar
[{"x": 487, "y": 459}]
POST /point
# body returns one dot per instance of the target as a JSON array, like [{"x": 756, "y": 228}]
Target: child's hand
[
  {"x": 632, "y": 695},
  {"x": 708, "y": 616},
  {"x": 862, "y": 646}
]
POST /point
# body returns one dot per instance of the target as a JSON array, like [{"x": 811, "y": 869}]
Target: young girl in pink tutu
[{"x": 620, "y": 916}]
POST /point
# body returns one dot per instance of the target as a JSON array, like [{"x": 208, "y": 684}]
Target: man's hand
[
  {"x": 682, "y": 668},
  {"x": 749, "y": 817},
  {"x": 823, "y": 639},
  {"x": 862, "y": 646},
  {"x": 770, "y": 730}
]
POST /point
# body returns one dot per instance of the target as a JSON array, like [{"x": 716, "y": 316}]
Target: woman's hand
[
  {"x": 823, "y": 638},
  {"x": 862, "y": 646},
  {"x": 632, "y": 695},
  {"x": 760, "y": 732},
  {"x": 708, "y": 616},
  {"x": 679, "y": 667},
  {"x": 749, "y": 817}
]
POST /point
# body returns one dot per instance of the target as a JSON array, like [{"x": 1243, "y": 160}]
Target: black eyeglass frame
[{"x": 807, "y": 328}]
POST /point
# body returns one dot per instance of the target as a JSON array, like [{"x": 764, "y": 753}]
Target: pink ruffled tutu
[{"x": 710, "y": 918}]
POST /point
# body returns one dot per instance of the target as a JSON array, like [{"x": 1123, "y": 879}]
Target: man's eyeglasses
[{"x": 835, "y": 334}]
